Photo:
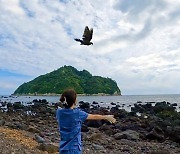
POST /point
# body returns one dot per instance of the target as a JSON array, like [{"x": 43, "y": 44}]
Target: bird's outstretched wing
[
  {"x": 87, "y": 36},
  {"x": 78, "y": 40}
]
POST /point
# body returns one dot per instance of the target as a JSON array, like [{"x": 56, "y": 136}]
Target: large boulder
[
  {"x": 9, "y": 107},
  {"x": 107, "y": 129},
  {"x": 94, "y": 123},
  {"x": 39, "y": 139},
  {"x": 44, "y": 101},
  {"x": 84, "y": 105},
  {"x": 18, "y": 105},
  {"x": 2, "y": 122},
  {"x": 95, "y": 136},
  {"x": 33, "y": 129},
  {"x": 155, "y": 134},
  {"x": 163, "y": 106},
  {"x": 177, "y": 134},
  {"x": 49, "y": 147},
  {"x": 173, "y": 133},
  {"x": 138, "y": 108},
  {"x": 3, "y": 104},
  {"x": 129, "y": 134},
  {"x": 20, "y": 125},
  {"x": 118, "y": 113},
  {"x": 95, "y": 103},
  {"x": 98, "y": 147}
]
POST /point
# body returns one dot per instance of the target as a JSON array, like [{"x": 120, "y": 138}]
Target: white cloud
[
  {"x": 136, "y": 43},
  {"x": 11, "y": 6}
]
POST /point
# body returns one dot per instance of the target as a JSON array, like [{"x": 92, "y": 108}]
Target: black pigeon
[{"x": 87, "y": 36}]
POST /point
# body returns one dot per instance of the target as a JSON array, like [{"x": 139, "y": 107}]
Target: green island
[{"x": 65, "y": 77}]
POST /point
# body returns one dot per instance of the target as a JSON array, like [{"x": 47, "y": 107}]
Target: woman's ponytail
[
  {"x": 68, "y": 98},
  {"x": 62, "y": 99}
]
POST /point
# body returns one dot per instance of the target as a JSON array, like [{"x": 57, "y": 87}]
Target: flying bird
[{"x": 87, "y": 36}]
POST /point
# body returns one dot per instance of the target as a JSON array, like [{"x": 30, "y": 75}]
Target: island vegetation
[{"x": 69, "y": 77}]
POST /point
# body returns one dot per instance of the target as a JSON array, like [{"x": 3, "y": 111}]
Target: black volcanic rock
[{"x": 84, "y": 105}]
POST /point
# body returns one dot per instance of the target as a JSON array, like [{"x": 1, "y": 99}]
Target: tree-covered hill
[{"x": 69, "y": 77}]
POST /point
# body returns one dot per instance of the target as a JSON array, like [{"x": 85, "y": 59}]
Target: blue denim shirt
[{"x": 70, "y": 121}]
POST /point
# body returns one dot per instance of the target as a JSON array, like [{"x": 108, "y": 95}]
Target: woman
[{"x": 70, "y": 120}]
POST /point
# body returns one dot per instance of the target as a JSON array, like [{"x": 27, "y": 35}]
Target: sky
[{"x": 135, "y": 42}]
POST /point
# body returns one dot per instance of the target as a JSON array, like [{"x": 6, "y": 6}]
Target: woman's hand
[{"x": 110, "y": 118}]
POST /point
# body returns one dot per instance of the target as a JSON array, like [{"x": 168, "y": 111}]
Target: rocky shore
[{"x": 151, "y": 127}]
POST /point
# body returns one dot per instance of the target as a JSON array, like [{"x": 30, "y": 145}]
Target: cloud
[
  {"x": 136, "y": 7},
  {"x": 11, "y": 6},
  {"x": 135, "y": 42}
]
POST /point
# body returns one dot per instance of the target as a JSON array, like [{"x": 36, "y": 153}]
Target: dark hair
[{"x": 69, "y": 96}]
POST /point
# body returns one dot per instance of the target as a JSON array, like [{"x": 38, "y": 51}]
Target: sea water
[{"x": 125, "y": 101}]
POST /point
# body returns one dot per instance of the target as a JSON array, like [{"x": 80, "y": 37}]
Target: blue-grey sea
[{"x": 105, "y": 101}]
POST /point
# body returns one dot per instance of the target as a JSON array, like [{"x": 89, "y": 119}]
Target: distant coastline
[{"x": 54, "y": 94}]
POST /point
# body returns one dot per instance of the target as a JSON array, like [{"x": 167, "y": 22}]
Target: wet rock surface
[{"x": 155, "y": 130}]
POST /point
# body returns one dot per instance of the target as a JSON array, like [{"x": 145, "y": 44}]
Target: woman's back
[{"x": 70, "y": 121}]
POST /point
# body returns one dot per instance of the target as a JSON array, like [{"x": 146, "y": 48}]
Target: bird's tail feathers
[{"x": 78, "y": 40}]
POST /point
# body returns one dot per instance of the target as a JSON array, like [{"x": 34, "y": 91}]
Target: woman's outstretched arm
[{"x": 109, "y": 118}]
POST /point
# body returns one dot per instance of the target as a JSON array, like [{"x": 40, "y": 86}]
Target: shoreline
[
  {"x": 91, "y": 95},
  {"x": 51, "y": 94}
]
